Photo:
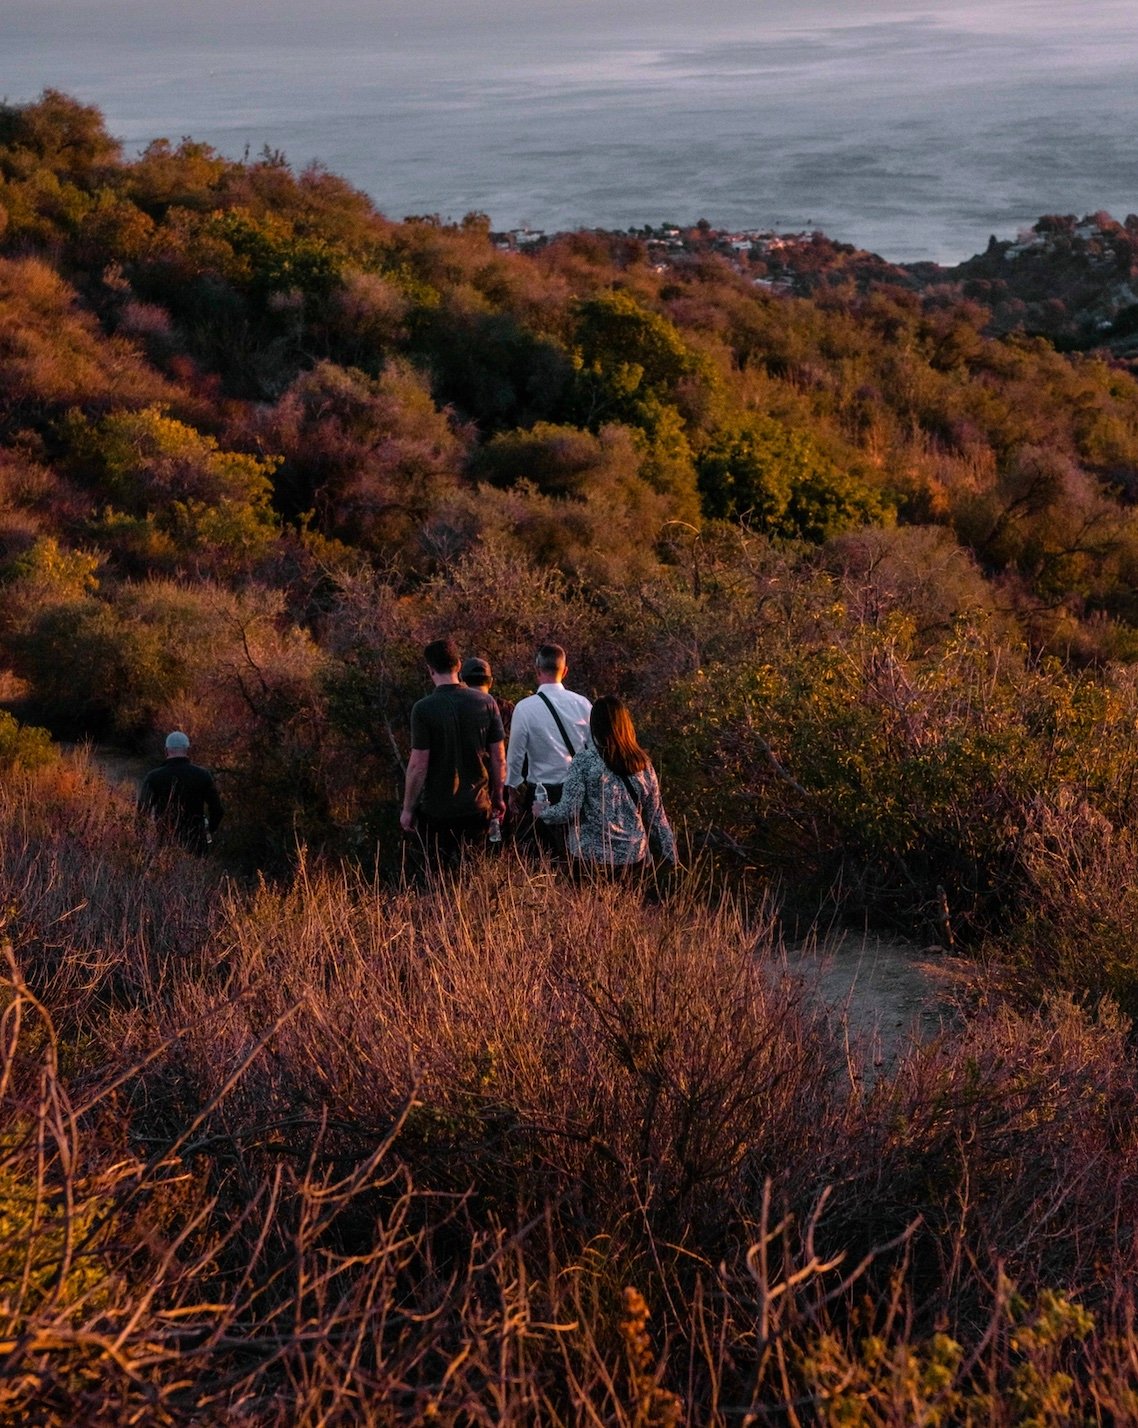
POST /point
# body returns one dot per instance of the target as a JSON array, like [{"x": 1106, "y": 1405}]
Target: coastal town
[
  {"x": 667, "y": 245},
  {"x": 1073, "y": 280}
]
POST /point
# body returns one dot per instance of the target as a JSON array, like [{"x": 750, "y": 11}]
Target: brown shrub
[
  {"x": 52, "y": 355},
  {"x": 504, "y": 1150}
]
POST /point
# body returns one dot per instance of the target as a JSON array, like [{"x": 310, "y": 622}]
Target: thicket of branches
[
  {"x": 509, "y": 1151},
  {"x": 284, "y": 1140}
]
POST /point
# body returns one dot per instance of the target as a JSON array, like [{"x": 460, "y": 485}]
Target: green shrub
[
  {"x": 848, "y": 756},
  {"x": 22, "y": 746},
  {"x": 779, "y": 482}
]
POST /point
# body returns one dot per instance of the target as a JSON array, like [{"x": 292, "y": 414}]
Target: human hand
[
  {"x": 407, "y": 819},
  {"x": 498, "y": 808}
]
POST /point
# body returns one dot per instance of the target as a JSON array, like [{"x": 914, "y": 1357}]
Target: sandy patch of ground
[{"x": 886, "y": 994}]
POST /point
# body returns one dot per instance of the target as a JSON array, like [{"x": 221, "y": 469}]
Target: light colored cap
[{"x": 177, "y": 742}]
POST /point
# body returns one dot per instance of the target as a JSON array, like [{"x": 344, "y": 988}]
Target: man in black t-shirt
[
  {"x": 457, "y": 769},
  {"x": 181, "y": 796}
]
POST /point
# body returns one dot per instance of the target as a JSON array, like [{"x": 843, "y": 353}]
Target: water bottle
[
  {"x": 494, "y": 836},
  {"x": 540, "y": 796}
]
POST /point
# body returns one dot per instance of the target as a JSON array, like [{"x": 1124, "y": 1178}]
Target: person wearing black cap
[
  {"x": 476, "y": 673},
  {"x": 181, "y": 797}
]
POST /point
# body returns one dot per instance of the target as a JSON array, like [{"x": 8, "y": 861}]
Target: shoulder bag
[{"x": 570, "y": 749}]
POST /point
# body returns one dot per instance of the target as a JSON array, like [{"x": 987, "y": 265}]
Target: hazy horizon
[{"x": 915, "y": 130}]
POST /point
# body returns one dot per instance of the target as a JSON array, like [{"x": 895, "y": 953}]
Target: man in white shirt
[{"x": 547, "y": 729}]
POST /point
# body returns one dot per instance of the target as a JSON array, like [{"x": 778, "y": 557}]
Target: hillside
[
  {"x": 1067, "y": 279},
  {"x": 292, "y": 1138}
]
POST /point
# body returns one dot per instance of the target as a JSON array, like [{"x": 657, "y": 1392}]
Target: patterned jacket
[{"x": 605, "y": 824}]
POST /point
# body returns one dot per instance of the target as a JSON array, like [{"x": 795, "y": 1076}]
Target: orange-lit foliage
[
  {"x": 228, "y": 374},
  {"x": 286, "y": 1140}
]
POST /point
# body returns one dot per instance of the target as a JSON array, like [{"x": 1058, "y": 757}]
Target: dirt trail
[
  {"x": 118, "y": 768},
  {"x": 121, "y": 768},
  {"x": 886, "y": 993}
]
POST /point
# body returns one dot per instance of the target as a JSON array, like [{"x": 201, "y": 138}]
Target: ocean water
[{"x": 912, "y": 130}]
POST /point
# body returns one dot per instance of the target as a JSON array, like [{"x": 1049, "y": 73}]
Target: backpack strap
[
  {"x": 629, "y": 789},
  {"x": 570, "y": 748}
]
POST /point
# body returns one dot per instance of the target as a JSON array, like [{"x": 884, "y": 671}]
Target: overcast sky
[
  {"x": 562, "y": 13},
  {"x": 423, "y": 19}
]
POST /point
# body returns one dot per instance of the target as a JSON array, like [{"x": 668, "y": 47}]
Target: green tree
[
  {"x": 780, "y": 483},
  {"x": 271, "y": 257},
  {"x": 176, "y": 498},
  {"x": 625, "y": 354},
  {"x": 54, "y": 132},
  {"x": 146, "y": 460}
]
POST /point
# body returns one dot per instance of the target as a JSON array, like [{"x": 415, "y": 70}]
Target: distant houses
[
  {"x": 767, "y": 259},
  {"x": 516, "y": 238}
]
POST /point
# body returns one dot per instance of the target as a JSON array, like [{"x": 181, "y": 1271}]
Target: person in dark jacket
[
  {"x": 181, "y": 797},
  {"x": 477, "y": 674}
]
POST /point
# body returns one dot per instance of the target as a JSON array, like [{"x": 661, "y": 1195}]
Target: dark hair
[
  {"x": 610, "y": 724},
  {"x": 551, "y": 659},
  {"x": 442, "y": 657}
]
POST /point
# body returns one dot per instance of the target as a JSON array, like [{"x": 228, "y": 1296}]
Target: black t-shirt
[{"x": 457, "y": 726}]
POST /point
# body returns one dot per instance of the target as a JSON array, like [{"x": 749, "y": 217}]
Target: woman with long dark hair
[{"x": 611, "y": 799}]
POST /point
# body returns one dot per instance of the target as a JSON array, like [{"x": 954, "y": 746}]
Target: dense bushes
[
  {"x": 248, "y": 285},
  {"x": 838, "y": 749},
  {"x": 372, "y": 459},
  {"x": 285, "y": 1140},
  {"x": 23, "y": 747},
  {"x": 512, "y": 1150}
]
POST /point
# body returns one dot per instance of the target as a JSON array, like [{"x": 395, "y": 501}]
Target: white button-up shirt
[{"x": 534, "y": 735}]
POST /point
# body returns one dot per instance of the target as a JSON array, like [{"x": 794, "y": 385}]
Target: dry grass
[{"x": 507, "y": 1151}]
